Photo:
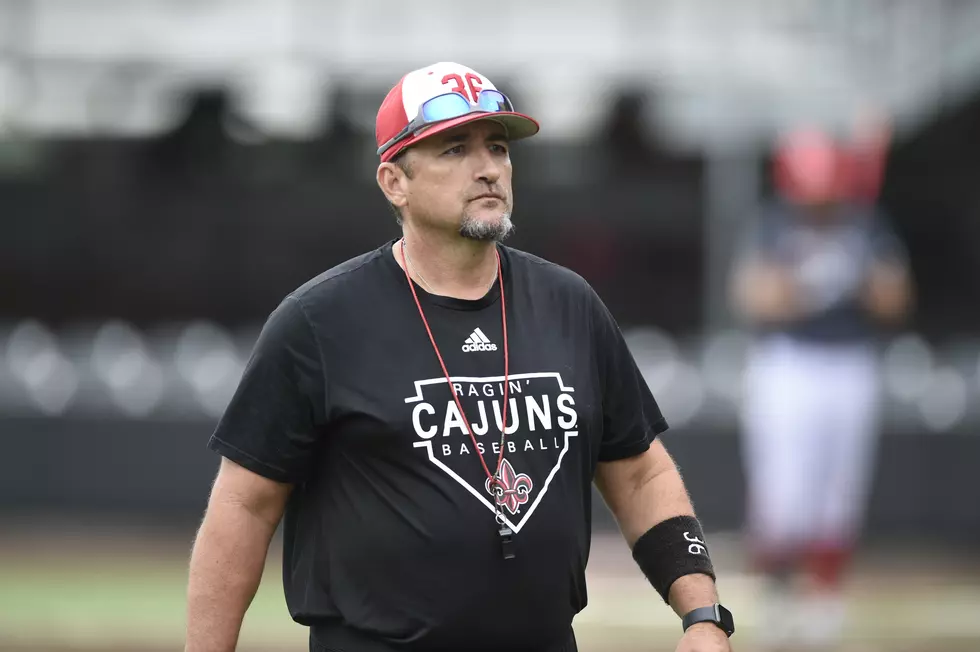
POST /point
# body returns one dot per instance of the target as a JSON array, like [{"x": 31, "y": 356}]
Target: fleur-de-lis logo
[{"x": 511, "y": 489}]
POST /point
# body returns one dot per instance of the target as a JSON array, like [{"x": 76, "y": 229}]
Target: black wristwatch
[{"x": 716, "y": 614}]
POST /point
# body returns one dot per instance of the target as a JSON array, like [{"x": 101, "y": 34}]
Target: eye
[
  {"x": 498, "y": 148},
  {"x": 458, "y": 149}
]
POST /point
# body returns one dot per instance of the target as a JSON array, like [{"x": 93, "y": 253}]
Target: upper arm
[
  {"x": 631, "y": 417},
  {"x": 236, "y": 486},
  {"x": 272, "y": 424},
  {"x": 890, "y": 258},
  {"x": 756, "y": 262},
  {"x": 642, "y": 490},
  {"x": 889, "y": 281},
  {"x": 618, "y": 477},
  {"x": 887, "y": 247}
]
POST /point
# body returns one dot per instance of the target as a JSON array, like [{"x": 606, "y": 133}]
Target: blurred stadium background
[{"x": 169, "y": 169}]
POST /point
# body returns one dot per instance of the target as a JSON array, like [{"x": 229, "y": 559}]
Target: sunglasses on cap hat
[{"x": 447, "y": 107}]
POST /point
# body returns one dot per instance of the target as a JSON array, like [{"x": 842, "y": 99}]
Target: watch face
[{"x": 727, "y": 622}]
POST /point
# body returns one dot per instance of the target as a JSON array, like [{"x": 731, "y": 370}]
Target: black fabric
[
  {"x": 670, "y": 550},
  {"x": 336, "y": 637},
  {"x": 390, "y": 527}
]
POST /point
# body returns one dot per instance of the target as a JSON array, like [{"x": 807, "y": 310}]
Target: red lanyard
[
  {"x": 505, "y": 532},
  {"x": 503, "y": 313}
]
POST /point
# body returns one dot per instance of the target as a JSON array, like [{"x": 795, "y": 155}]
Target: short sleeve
[
  {"x": 271, "y": 423},
  {"x": 886, "y": 246},
  {"x": 631, "y": 418},
  {"x": 759, "y": 240}
]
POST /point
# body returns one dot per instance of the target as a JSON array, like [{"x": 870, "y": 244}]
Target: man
[
  {"x": 821, "y": 273},
  {"x": 430, "y": 416}
]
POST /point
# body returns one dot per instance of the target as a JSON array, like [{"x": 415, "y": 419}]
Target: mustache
[{"x": 494, "y": 193}]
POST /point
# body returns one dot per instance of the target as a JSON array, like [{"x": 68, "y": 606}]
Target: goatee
[{"x": 485, "y": 230}]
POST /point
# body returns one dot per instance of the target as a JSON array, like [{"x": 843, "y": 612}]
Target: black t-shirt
[{"x": 391, "y": 528}]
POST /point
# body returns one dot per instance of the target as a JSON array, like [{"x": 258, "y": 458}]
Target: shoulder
[
  {"x": 877, "y": 217},
  {"x": 561, "y": 284},
  {"x": 868, "y": 219},
  {"x": 340, "y": 280},
  {"x": 776, "y": 216},
  {"x": 541, "y": 270}
]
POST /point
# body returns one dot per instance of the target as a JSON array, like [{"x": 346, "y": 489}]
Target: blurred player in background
[{"x": 821, "y": 273}]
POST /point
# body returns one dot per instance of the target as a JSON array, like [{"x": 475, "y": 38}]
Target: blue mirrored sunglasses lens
[
  {"x": 445, "y": 107},
  {"x": 494, "y": 101}
]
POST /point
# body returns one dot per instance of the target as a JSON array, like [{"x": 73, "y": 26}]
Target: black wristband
[{"x": 672, "y": 549}]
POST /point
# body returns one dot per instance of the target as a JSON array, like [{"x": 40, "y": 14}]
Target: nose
[{"x": 488, "y": 166}]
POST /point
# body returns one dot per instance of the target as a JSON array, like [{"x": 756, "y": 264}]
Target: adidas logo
[{"x": 478, "y": 342}]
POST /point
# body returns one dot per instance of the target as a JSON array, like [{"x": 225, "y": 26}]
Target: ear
[{"x": 393, "y": 183}]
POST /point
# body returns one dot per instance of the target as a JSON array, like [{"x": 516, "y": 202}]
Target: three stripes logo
[{"x": 477, "y": 341}]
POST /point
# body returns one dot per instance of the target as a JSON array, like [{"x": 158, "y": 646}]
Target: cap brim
[{"x": 518, "y": 126}]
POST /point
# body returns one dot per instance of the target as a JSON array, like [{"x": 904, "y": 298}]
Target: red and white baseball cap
[{"x": 418, "y": 107}]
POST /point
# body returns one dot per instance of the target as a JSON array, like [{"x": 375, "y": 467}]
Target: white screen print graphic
[{"x": 541, "y": 418}]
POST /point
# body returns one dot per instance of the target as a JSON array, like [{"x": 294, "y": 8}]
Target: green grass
[
  {"x": 120, "y": 601},
  {"x": 67, "y": 597}
]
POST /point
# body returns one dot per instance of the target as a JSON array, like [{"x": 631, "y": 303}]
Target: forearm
[
  {"x": 692, "y": 591},
  {"x": 646, "y": 495},
  {"x": 654, "y": 498},
  {"x": 766, "y": 294},
  {"x": 888, "y": 293},
  {"x": 225, "y": 570},
  {"x": 662, "y": 497}
]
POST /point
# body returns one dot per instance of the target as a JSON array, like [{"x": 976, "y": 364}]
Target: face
[{"x": 459, "y": 180}]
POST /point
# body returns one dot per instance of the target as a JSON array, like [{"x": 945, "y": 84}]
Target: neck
[{"x": 453, "y": 267}]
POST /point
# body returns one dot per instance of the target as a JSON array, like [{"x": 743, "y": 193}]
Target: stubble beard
[{"x": 497, "y": 230}]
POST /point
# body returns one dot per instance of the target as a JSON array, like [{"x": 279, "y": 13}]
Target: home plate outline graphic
[
  {"x": 516, "y": 527},
  {"x": 427, "y": 444}
]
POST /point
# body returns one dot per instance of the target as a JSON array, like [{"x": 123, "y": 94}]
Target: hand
[
  {"x": 888, "y": 293},
  {"x": 704, "y": 637}
]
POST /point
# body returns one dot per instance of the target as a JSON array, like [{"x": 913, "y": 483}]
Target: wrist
[
  {"x": 709, "y": 617},
  {"x": 692, "y": 591},
  {"x": 706, "y": 629}
]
